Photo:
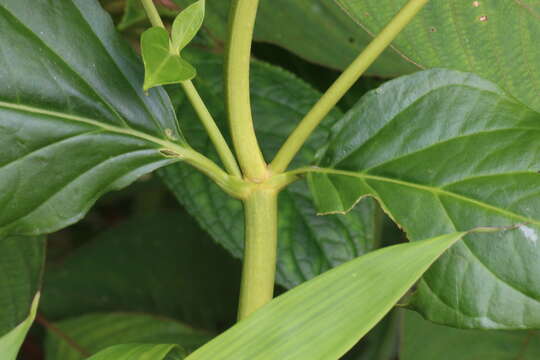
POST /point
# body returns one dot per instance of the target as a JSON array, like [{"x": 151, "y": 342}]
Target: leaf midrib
[
  {"x": 110, "y": 128},
  {"x": 431, "y": 189}
]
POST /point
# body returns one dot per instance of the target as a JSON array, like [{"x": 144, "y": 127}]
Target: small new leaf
[
  {"x": 186, "y": 25},
  {"x": 161, "y": 64}
]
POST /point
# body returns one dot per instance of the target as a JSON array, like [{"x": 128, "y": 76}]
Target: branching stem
[{"x": 347, "y": 79}]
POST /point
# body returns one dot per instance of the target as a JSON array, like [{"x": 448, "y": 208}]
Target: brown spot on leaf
[
  {"x": 476, "y": 3},
  {"x": 483, "y": 18}
]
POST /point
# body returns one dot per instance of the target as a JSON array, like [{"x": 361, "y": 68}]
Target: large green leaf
[
  {"x": 161, "y": 263},
  {"x": 77, "y": 338},
  {"x": 423, "y": 340},
  {"x": 140, "y": 352},
  {"x": 21, "y": 267},
  {"x": 308, "y": 244},
  {"x": 324, "y": 317},
  {"x": 446, "y": 151},
  {"x": 74, "y": 122},
  {"x": 316, "y": 30},
  {"x": 497, "y": 40}
]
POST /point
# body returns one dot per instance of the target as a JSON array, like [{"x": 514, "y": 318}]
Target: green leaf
[
  {"x": 186, "y": 25},
  {"x": 21, "y": 263},
  {"x": 133, "y": 14},
  {"x": 141, "y": 352},
  {"x": 77, "y": 338},
  {"x": 446, "y": 151},
  {"x": 74, "y": 122},
  {"x": 316, "y": 30},
  {"x": 11, "y": 342},
  {"x": 494, "y": 39},
  {"x": 162, "y": 65},
  {"x": 308, "y": 244},
  {"x": 187, "y": 276},
  {"x": 422, "y": 339},
  {"x": 324, "y": 317}
]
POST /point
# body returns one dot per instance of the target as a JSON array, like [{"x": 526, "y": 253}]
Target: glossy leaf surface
[
  {"x": 74, "y": 121},
  {"x": 161, "y": 263},
  {"x": 77, "y": 338},
  {"x": 186, "y": 25},
  {"x": 422, "y": 339},
  {"x": 316, "y": 30},
  {"x": 308, "y": 244},
  {"x": 326, "y": 316},
  {"x": 446, "y": 151},
  {"x": 494, "y": 39},
  {"x": 141, "y": 352}
]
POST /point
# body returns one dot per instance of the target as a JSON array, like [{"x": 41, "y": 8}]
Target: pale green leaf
[
  {"x": 74, "y": 121},
  {"x": 11, "y": 342},
  {"x": 446, "y": 151},
  {"x": 308, "y": 244},
  {"x": 186, "y": 25},
  {"x": 423, "y": 340},
  {"x": 162, "y": 65},
  {"x": 76, "y": 338},
  {"x": 326, "y": 316},
  {"x": 495, "y": 39},
  {"x": 141, "y": 352}
]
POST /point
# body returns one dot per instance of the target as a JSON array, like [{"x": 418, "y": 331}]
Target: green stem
[
  {"x": 259, "y": 251},
  {"x": 327, "y": 102},
  {"x": 213, "y": 131},
  {"x": 152, "y": 12},
  {"x": 242, "y": 22}
]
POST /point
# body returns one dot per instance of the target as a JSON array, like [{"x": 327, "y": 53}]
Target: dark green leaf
[
  {"x": 423, "y": 340},
  {"x": 74, "y": 122},
  {"x": 141, "y": 352},
  {"x": 494, "y": 39},
  {"x": 77, "y": 338},
  {"x": 446, "y": 151},
  {"x": 308, "y": 244},
  {"x": 160, "y": 263},
  {"x": 21, "y": 267},
  {"x": 133, "y": 14},
  {"x": 326, "y": 316},
  {"x": 316, "y": 30}
]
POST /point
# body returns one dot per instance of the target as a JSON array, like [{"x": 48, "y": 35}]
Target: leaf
[
  {"x": 186, "y": 25},
  {"x": 141, "y": 352},
  {"x": 494, "y": 39},
  {"x": 446, "y": 151},
  {"x": 422, "y": 339},
  {"x": 316, "y": 30},
  {"x": 308, "y": 244},
  {"x": 324, "y": 317},
  {"x": 133, "y": 14},
  {"x": 21, "y": 263},
  {"x": 80, "y": 337},
  {"x": 74, "y": 121},
  {"x": 162, "y": 65},
  {"x": 11, "y": 342},
  {"x": 185, "y": 277}
]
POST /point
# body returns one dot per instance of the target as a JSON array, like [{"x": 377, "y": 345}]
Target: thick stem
[
  {"x": 152, "y": 13},
  {"x": 260, "y": 251},
  {"x": 242, "y": 22},
  {"x": 212, "y": 129},
  {"x": 343, "y": 84}
]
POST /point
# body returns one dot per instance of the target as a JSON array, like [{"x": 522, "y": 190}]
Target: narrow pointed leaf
[
  {"x": 326, "y": 316},
  {"x": 92, "y": 333},
  {"x": 11, "y": 342},
  {"x": 308, "y": 244},
  {"x": 494, "y": 39},
  {"x": 446, "y": 151},
  {"x": 141, "y": 352},
  {"x": 74, "y": 121},
  {"x": 162, "y": 65},
  {"x": 186, "y": 25}
]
